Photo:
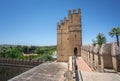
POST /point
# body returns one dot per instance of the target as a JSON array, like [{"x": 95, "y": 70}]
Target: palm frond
[{"x": 114, "y": 31}]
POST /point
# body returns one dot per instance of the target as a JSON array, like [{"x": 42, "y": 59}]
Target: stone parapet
[
  {"x": 106, "y": 57},
  {"x": 115, "y": 52},
  {"x": 105, "y": 49},
  {"x": 20, "y": 62},
  {"x": 96, "y": 49}
]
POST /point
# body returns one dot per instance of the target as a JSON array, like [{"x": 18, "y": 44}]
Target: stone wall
[
  {"x": 20, "y": 62},
  {"x": 115, "y": 52},
  {"x": 106, "y": 57}
]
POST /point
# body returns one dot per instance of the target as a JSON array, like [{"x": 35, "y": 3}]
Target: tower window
[{"x": 75, "y": 36}]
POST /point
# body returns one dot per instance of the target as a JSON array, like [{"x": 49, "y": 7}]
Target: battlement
[
  {"x": 74, "y": 11},
  {"x": 61, "y": 22},
  {"x": 64, "y": 21}
]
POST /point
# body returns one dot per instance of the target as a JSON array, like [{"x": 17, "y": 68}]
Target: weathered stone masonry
[
  {"x": 69, "y": 38},
  {"x": 106, "y": 57},
  {"x": 18, "y": 62}
]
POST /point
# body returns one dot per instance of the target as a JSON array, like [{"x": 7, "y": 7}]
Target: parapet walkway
[
  {"x": 82, "y": 66},
  {"x": 96, "y": 76},
  {"x": 55, "y": 71},
  {"x": 45, "y": 72},
  {"x": 86, "y": 73}
]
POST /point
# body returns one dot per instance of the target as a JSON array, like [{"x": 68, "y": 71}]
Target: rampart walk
[{"x": 99, "y": 59}]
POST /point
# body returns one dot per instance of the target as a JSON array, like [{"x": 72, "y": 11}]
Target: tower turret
[{"x": 69, "y": 38}]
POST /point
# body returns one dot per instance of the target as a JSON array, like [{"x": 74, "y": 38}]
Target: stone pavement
[
  {"x": 95, "y": 76},
  {"x": 44, "y": 72},
  {"x": 82, "y": 66},
  {"x": 87, "y": 74},
  {"x": 55, "y": 71}
]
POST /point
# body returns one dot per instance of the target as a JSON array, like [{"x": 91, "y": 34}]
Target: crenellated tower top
[
  {"x": 62, "y": 22},
  {"x": 74, "y": 11}
]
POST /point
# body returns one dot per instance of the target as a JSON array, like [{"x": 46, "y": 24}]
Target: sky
[{"x": 34, "y": 22}]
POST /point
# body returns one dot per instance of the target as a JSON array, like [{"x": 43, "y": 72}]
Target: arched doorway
[{"x": 75, "y": 51}]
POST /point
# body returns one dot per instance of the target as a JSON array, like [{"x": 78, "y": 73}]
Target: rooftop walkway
[
  {"x": 87, "y": 75},
  {"x": 55, "y": 71},
  {"x": 96, "y": 76},
  {"x": 45, "y": 72},
  {"x": 82, "y": 66}
]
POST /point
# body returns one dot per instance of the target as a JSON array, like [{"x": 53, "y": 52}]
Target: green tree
[
  {"x": 94, "y": 42},
  {"x": 115, "y": 32},
  {"x": 100, "y": 39},
  {"x": 19, "y": 47},
  {"x": 3, "y": 51},
  {"x": 13, "y": 53},
  {"x": 25, "y": 49}
]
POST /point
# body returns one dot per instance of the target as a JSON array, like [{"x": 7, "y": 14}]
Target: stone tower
[{"x": 69, "y": 36}]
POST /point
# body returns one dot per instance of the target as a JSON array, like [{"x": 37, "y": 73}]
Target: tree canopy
[
  {"x": 100, "y": 39},
  {"x": 115, "y": 32},
  {"x": 18, "y": 52}
]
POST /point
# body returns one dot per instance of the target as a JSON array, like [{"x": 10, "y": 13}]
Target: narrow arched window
[{"x": 75, "y": 36}]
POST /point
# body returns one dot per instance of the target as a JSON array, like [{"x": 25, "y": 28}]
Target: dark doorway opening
[{"x": 75, "y": 51}]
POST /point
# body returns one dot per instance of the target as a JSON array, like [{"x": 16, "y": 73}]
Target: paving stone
[
  {"x": 45, "y": 72},
  {"x": 55, "y": 71},
  {"x": 82, "y": 66},
  {"x": 94, "y": 76}
]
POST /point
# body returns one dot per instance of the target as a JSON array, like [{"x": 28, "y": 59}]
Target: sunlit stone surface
[{"x": 45, "y": 72}]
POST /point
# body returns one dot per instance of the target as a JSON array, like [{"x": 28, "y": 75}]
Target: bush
[
  {"x": 13, "y": 53},
  {"x": 46, "y": 57}
]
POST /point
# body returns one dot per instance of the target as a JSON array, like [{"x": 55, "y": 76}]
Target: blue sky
[{"x": 33, "y": 22}]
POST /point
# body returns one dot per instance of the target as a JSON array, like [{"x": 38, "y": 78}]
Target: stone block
[
  {"x": 115, "y": 51},
  {"x": 96, "y": 49},
  {"x": 106, "y": 58}
]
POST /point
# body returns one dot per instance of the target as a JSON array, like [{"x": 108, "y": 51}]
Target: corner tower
[{"x": 69, "y": 36}]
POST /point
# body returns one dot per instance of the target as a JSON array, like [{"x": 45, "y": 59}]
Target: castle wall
[
  {"x": 99, "y": 59},
  {"x": 115, "y": 51},
  {"x": 19, "y": 62},
  {"x": 105, "y": 53}
]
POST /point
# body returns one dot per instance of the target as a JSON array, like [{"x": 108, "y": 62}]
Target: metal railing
[
  {"x": 75, "y": 68},
  {"x": 80, "y": 76}
]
